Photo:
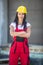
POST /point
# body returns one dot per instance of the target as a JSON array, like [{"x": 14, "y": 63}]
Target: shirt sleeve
[
  {"x": 13, "y": 24},
  {"x": 28, "y": 24}
]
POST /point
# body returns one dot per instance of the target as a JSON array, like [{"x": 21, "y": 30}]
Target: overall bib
[{"x": 19, "y": 48}]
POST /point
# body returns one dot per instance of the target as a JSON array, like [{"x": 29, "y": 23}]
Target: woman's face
[{"x": 20, "y": 16}]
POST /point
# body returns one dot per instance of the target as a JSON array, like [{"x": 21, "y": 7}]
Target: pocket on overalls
[
  {"x": 27, "y": 44},
  {"x": 26, "y": 47},
  {"x": 12, "y": 43}
]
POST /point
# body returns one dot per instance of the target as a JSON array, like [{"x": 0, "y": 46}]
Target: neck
[{"x": 20, "y": 21}]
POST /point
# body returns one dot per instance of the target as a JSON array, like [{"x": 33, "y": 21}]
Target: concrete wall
[
  {"x": 3, "y": 21},
  {"x": 34, "y": 16}
]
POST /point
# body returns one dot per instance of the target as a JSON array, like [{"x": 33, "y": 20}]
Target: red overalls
[{"x": 19, "y": 49}]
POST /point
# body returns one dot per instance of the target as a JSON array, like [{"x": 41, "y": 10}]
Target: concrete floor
[{"x": 3, "y": 64}]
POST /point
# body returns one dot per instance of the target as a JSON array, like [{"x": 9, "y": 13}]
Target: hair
[{"x": 24, "y": 20}]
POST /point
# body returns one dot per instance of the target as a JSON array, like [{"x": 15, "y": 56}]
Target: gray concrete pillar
[{"x": 3, "y": 21}]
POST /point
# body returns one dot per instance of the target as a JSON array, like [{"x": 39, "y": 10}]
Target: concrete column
[{"x": 3, "y": 21}]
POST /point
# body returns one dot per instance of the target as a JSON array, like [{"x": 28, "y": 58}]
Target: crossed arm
[{"x": 20, "y": 34}]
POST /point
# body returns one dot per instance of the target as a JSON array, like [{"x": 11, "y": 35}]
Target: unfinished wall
[{"x": 34, "y": 16}]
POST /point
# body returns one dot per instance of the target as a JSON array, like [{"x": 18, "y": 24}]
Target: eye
[
  {"x": 19, "y": 13},
  {"x": 22, "y": 13}
]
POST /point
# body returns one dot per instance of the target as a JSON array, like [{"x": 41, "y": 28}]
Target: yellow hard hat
[{"x": 21, "y": 9}]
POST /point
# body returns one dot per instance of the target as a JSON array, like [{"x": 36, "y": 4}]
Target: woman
[{"x": 20, "y": 30}]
